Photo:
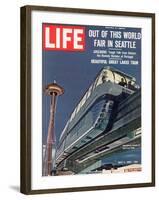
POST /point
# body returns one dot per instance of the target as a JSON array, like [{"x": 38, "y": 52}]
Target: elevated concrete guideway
[{"x": 123, "y": 131}]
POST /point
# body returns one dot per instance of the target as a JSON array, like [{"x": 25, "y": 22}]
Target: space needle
[{"x": 53, "y": 90}]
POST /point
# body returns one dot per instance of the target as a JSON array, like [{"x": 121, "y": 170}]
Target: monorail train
[{"x": 94, "y": 113}]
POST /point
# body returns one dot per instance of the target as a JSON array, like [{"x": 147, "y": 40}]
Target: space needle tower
[{"x": 53, "y": 90}]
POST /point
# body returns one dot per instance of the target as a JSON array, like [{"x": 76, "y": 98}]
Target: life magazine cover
[{"x": 91, "y": 103}]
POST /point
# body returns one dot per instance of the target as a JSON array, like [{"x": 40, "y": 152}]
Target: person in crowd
[
  {"x": 130, "y": 86},
  {"x": 122, "y": 82}
]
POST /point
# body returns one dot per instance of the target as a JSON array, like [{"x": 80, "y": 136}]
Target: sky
[{"x": 75, "y": 73}]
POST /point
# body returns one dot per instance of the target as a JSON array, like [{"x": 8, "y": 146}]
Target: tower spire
[{"x": 53, "y": 90}]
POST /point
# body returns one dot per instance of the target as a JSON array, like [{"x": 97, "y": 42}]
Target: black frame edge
[
  {"x": 25, "y": 107},
  {"x": 89, "y": 11},
  {"x": 153, "y": 101}
]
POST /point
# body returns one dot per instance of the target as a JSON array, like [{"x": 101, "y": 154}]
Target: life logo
[{"x": 63, "y": 38}]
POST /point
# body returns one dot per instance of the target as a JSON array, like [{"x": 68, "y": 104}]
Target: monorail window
[
  {"x": 99, "y": 80},
  {"x": 78, "y": 108},
  {"x": 109, "y": 76},
  {"x": 130, "y": 85},
  {"x": 95, "y": 83},
  {"x": 120, "y": 79},
  {"x": 83, "y": 100},
  {"x": 122, "y": 82},
  {"x": 89, "y": 91},
  {"x": 105, "y": 76},
  {"x": 73, "y": 114}
]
